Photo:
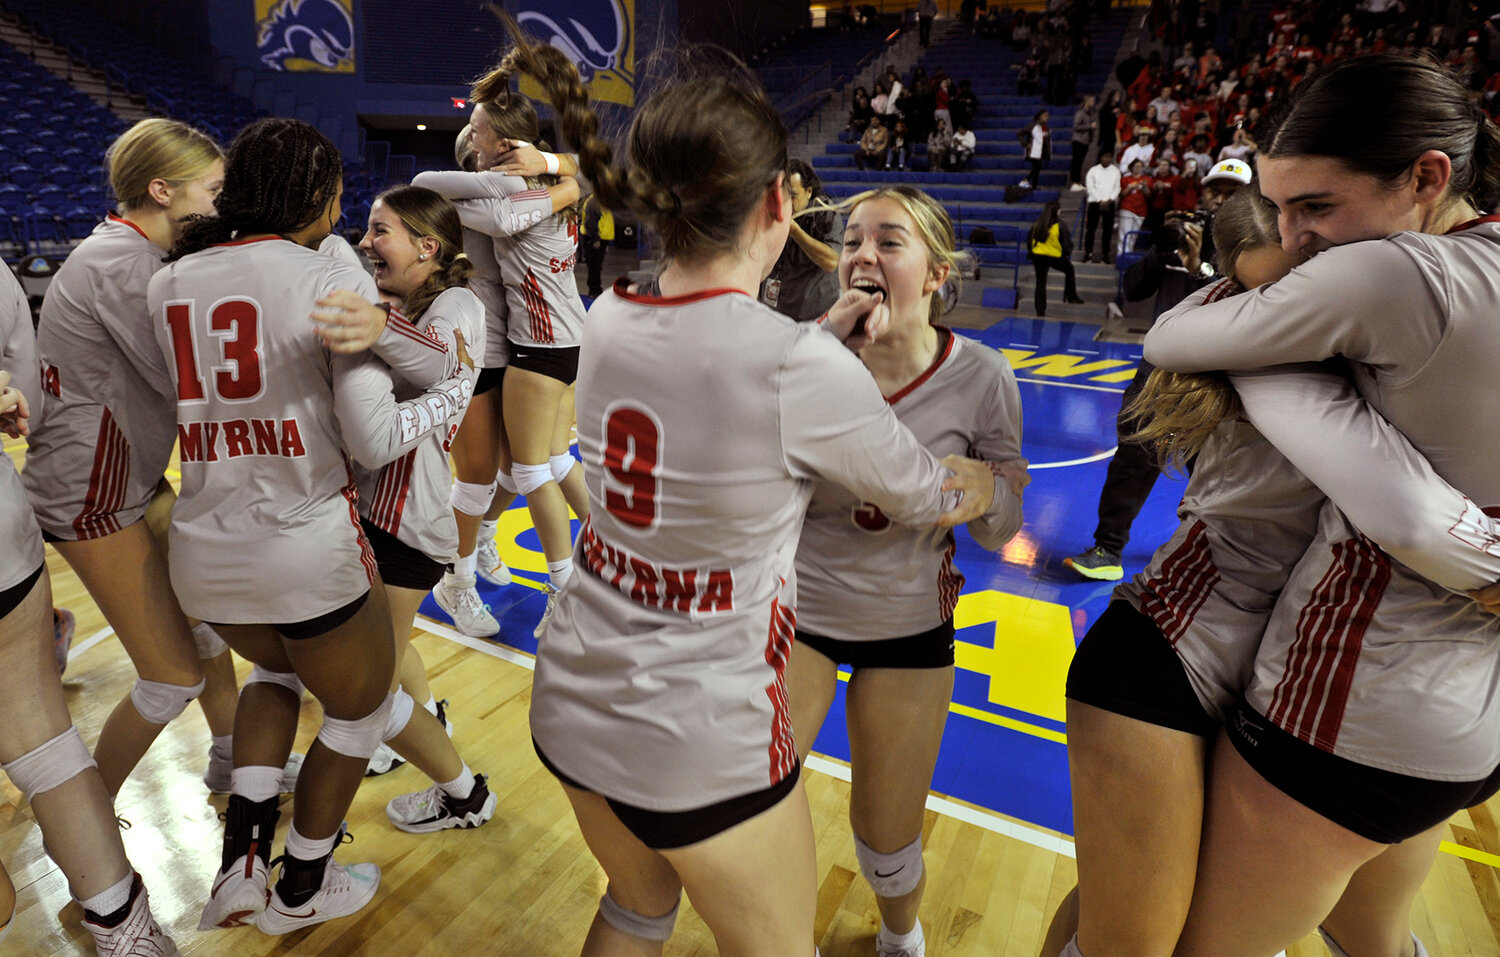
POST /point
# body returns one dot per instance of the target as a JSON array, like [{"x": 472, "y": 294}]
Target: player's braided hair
[
  {"x": 426, "y": 213},
  {"x": 279, "y": 176},
  {"x": 703, "y": 148},
  {"x": 510, "y": 115}
]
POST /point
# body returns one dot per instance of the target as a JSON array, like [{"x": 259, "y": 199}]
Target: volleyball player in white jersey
[
  {"x": 98, "y": 450},
  {"x": 522, "y": 225},
  {"x": 879, "y": 596},
  {"x": 704, "y": 418},
  {"x": 536, "y": 256},
  {"x": 40, "y": 750},
  {"x": 1371, "y": 714},
  {"x": 415, "y": 243},
  {"x": 1141, "y": 716},
  {"x": 265, "y": 539}
]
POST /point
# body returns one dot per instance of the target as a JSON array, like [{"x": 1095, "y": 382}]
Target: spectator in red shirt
[
  {"x": 1163, "y": 181},
  {"x": 1186, "y": 192},
  {"x": 1135, "y": 188}
]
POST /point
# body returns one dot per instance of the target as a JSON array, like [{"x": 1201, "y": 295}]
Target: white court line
[
  {"x": 1070, "y": 385},
  {"x": 79, "y": 647},
  {"x": 961, "y": 812},
  {"x": 1058, "y": 465}
]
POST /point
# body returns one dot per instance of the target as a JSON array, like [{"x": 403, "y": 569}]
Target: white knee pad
[
  {"x": 503, "y": 479},
  {"x": 357, "y": 738},
  {"x": 401, "y": 709},
  {"x": 283, "y": 679},
  {"x": 52, "y": 764},
  {"x": 529, "y": 478},
  {"x": 471, "y": 499},
  {"x": 894, "y": 874},
  {"x": 637, "y": 925},
  {"x": 561, "y": 465},
  {"x": 210, "y": 645},
  {"x": 159, "y": 703}
]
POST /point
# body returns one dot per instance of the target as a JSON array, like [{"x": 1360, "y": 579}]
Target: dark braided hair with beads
[{"x": 279, "y": 176}]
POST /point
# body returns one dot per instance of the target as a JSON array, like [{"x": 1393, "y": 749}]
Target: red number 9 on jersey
[
  {"x": 632, "y": 446},
  {"x": 869, "y": 517}
]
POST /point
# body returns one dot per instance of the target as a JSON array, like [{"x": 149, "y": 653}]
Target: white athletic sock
[
  {"x": 560, "y": 572},
  {"x": 223, "y": 747},
  {"x": 894, "y": 941},
  {"x": 306, "y": 849},
  {"x": 110, "y": 899},
  {"x": 461, "y": 786},
  {"x": 430, "y": 705},
  {"x": 255, "y": 783},
  {"x": 488, "y": 530},
  {"x": 464, "y": 565}
]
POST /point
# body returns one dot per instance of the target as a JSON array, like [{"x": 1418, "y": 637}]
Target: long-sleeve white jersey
[
  {"x": 265, "y": 529},
  {"x": 1364, "y": 657},
  {"x": 536, "y": 249},
  {"x": 410, "y": 497},
  {"x": 98, "y": 450},
  {"x": 862, "y": 577},
  {"x": 20, "y": 540},
  {"x": 703, "y": 422},
  {"x": 489, "y": 286}
]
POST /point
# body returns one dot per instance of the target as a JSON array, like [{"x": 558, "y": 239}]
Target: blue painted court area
[{"x": 1022, "y": 611}]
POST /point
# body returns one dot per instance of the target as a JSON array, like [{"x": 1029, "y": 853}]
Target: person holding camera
[{"x": 1179, "y": 262}]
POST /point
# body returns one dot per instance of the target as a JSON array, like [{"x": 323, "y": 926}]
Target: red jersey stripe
[
  {"x": 107, "y": 482},
  {"x": 783, "y": 748},
  {"x": 536, "y": 307},
  {"x": 351, "y": 495}
]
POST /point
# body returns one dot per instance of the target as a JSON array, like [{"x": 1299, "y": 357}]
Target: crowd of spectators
[
  {"x": 933, "y": 110},
  {"x": 1192, "y": 106}
]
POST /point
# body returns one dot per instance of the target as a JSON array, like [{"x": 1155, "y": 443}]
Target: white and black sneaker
[
  {"x": 424, "y": 812},
  {"x": 383, "y": 761}
]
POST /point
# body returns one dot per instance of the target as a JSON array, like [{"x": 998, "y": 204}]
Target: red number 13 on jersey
[
  {"x": 236, "y": 324},
  {"x": 632, "y": 448}
]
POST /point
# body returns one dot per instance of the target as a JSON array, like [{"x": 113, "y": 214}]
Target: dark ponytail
[{"x": 1378, "y": 113}]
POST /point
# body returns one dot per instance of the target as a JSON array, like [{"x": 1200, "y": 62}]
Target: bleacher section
[
  {"x": 138, "y": 64},
  {"x": 803, "y": 68},
  {"x": 51, "y": 147},
  {"x": 975, "y": 198}
]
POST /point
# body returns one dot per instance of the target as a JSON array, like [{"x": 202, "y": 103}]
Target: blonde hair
[
  {"x": 1179, "y": 411},
  {"x": 154, "y": 149},
  {"x": 934, "y": 229}
]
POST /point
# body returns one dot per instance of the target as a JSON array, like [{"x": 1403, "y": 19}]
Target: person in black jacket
[{"x": 1179, "y": 261}]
